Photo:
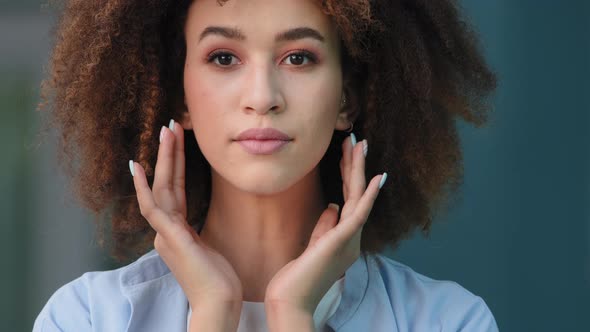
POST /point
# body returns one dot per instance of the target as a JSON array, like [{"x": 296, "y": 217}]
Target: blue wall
[{"x": 519, "y": 234}]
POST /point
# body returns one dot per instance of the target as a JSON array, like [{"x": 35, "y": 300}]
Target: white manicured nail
[
  {"x": 161, "y": 134},
  {"x": 131, "y": 167},
  {"x": 365, "y": 147},
  {"x": 383, "y": 180},
  {"x": 171, "y": 125},
  {"x": 353, "y": 139},
  {"x": 334, "y": 206}
]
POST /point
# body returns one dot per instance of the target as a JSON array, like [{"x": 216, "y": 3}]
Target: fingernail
[
  {"x": 353, "y": 139},
  {"x": 334, "y": 206},
  {"x": 161, "y": 134},
  {"x": 171, "y": 125},
  {"x": 131, "y": 167},
  {"x": 365, "y": 147},
  {"x": 383, "y": 180}
]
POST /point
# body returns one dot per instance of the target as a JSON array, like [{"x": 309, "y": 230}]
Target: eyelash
[{"x": 312, "y": 57}]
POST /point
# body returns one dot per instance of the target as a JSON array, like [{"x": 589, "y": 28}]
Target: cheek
[
  {"x": 204, "y": 105},
  {"x": 208, "y": 95},
  {"x": 321, "y": 108},
  {"x": 199, "y": 95},
  {"x": 316, "y": 127}
]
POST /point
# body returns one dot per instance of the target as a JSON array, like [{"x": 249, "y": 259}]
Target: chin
[
  {"x": 262, "y": 185},
  {"x": 264, "y": 180}
]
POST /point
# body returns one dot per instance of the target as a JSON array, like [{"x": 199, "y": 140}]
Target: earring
[
  {"x": 349, "y": 130},
  {"x": 342, "y": 104}
]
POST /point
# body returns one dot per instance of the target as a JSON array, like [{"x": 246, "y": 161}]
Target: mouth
[
  {"x": 263, "y": 141},
  {"x": 263, "y": 147}
]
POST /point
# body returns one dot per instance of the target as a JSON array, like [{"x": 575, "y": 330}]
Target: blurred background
[{"x": 518, "y": 235}]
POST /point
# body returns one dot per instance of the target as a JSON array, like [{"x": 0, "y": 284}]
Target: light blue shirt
[{"x": 380, "y": 295}]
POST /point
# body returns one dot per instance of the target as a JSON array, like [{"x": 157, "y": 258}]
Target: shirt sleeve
[
  {"x": 477, "y": 317},
  {"x": 66, "y": 310}
]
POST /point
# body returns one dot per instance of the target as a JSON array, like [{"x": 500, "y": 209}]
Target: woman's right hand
[{"x": 205, "y": 275}]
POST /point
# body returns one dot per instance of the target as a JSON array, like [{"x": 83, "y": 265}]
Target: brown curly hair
[{"x": 409, "y": 66}]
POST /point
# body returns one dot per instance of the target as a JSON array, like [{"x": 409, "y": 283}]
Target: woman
[{"x": 262, "y": 96}]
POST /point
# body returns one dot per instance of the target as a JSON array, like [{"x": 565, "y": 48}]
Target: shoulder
[
  {"x": 96, "y": 297},
  {"x": 417, "y": 298}
]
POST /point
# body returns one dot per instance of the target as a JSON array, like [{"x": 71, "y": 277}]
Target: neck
[{"x": 259, "y": 234}]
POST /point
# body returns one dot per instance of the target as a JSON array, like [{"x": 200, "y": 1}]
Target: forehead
[{"x": 255, "y": 17}]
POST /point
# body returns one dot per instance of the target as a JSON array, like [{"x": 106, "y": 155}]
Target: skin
[
  {"x": 263, "y": 208},
  {"x": 268, "y": 235}
]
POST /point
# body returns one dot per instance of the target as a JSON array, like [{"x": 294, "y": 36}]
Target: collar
[{"x": 158, "y": 302}]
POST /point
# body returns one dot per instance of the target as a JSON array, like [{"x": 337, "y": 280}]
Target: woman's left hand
[{"x": 334, "y": 245}]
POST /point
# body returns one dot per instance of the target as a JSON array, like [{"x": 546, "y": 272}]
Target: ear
[
  {"x": 346, "y": 114},
  {"x": 343, "y": 121},
  {"x": 185, "y": 120},
  {"x": 181, "y": 109}
]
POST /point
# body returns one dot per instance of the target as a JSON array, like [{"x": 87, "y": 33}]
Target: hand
[
  {"x": 204, "y": 275},
  {"x": 334, "y": 245}
]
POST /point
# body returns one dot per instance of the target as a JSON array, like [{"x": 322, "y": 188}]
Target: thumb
[{"x": 328, "y": 219}]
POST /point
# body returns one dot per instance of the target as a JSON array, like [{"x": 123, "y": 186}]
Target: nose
[{"x": 262, "y": 92}]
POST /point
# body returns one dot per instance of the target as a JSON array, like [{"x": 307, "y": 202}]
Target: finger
[
  {"x": 178, "y": 177},
  {"x": 162, "y": 189},
  {"x": 326, "y": 222},
  {"x": 344, "y": 182},
  {"x": 147, "y": 205},
  {"x": 357, "y": 180},
  {"x": 365, "y": 203},
  {"x": 345, "y": 164},
  {"x": 352, "y": 225}
]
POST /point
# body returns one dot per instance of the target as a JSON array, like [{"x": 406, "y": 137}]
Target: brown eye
[
  {"x": 300, "y": 58},
  {"x": 297, "y": 59},
  {"x": 224, "y": 59}
]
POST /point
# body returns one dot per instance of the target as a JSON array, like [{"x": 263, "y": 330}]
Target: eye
[
  {"x": 224, "y": 58},
  {"x": 298, "y": 58}
]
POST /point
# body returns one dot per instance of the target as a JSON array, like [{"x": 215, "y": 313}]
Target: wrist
[
  {"x": 286, "y": 318},
  {"x": 216, "y": 317}
]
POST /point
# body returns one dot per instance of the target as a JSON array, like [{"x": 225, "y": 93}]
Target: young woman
[{"x": 233, "y": 192}]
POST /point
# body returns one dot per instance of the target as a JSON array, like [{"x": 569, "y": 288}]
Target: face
[{"x": 260, "y": 64}]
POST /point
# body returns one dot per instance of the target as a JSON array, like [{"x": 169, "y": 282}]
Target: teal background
[{"x": 518, "y": 234}]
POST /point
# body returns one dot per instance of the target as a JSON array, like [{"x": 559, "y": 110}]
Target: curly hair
[{"x": 410, "y": 66}]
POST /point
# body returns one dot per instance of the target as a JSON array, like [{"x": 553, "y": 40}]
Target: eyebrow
[{"x": 289, "y": 35}]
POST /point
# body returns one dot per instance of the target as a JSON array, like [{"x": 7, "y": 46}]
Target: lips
[
  {"x": 262, "y": 134},
  {"x": 263, "y": 140}
]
